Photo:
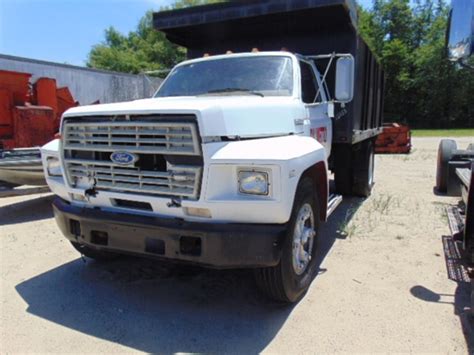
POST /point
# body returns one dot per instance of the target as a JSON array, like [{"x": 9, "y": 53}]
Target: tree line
[{"x": 423, "y": 89}]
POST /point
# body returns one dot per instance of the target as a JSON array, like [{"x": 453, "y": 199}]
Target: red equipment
[
  {"x": 30, "y": 115},
  {"x": 395, "y": 139}
]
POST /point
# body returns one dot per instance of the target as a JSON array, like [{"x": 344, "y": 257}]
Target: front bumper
[{"x": 230, "y": 245}]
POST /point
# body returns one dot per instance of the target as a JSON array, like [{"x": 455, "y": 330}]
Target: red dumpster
[{"x": 395, "y": 139}]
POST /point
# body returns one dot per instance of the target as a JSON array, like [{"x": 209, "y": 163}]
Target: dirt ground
[{"x": 387, "y": 283}]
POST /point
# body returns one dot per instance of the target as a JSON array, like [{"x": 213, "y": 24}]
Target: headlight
[
  {"x": 253, "y": 182},
  {"x": 53, "y": 166}
]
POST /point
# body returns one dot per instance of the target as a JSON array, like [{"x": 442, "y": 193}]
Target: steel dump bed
[{"x": 307, "y": 27}]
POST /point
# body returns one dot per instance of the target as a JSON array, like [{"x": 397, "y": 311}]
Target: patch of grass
[
  {"x": 348, "y": 230},
  {"x": 345, "y": 228},
  {"x": 382, "y": 203},
  {"x": 461, "y": 132}
]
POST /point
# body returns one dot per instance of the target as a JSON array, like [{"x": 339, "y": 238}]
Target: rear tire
[
  {"x": 364, "y": 163},
  {"x": 98, "y": 255},
  {"x": 446, "y": 150},
  {"x": 290, "y": 279}
]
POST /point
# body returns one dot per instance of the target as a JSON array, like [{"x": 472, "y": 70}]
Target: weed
[
  {"x": 350, "y": 230},
  {"x": 383, "y": 202},
  {"x": 444, "y": 215},
  {"x": 440, "y": 208},
  {"x": 346, "y": 228}
]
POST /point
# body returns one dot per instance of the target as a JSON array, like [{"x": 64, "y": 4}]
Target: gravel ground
[{"x": 383, "y": 284}]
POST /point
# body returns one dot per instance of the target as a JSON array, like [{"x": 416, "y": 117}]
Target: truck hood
[{"x": 244, "y": 116}]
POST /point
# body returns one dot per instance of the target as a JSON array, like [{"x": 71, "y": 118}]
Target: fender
[
  {"x": 295, "y": 155},
  {"x": 318, "y": 174}
]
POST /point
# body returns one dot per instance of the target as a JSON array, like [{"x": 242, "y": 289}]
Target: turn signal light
[{"x": 197, "y": 212}]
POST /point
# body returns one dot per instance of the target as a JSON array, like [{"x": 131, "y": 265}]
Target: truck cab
[{"x": 276, "y": 75}]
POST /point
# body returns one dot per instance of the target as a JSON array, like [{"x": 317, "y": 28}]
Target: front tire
[{"x": 290, "y": 279}]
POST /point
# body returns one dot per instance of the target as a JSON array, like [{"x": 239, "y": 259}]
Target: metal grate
[
  {"x": 135, "y": 137},
  {"x": 86, "y": 143},
  {"x": 177, "y": 181}
]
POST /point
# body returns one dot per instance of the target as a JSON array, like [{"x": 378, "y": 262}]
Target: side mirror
[
  {"x": 460, "y": 33},
  {"x": 344, "y": 79}
]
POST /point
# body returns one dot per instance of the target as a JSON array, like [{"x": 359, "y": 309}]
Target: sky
[{"x": 64, "y": 31}]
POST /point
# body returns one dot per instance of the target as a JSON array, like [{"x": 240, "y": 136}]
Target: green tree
[
  {"x": 422, "y": 87},
  {"x": 388, "y": 30},
  {"x": 189, "y": 3},
  {"x": 144, "y": 49}
]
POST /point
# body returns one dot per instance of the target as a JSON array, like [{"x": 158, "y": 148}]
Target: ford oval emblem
[{"x": 123, "y": 158}]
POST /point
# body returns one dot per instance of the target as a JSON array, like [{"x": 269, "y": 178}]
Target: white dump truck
[{"x": 229, "y": 164}]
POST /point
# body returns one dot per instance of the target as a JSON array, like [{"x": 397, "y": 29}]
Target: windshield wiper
[{"x": 230, "y": 90}]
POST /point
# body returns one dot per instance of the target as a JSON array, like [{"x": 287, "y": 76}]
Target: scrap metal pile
[
  {"x": 394, "y": 139},
  {"x": 30, "y": 115}
]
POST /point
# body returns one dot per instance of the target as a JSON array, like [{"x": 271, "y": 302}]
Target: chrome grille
[
  {"x": 86, "y": 148},
  {"x": 133, "y": 136},
  {"x": 178, "y": 181}
]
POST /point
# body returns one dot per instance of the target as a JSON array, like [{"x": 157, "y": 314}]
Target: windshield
[{"x": 259, "y": 75}]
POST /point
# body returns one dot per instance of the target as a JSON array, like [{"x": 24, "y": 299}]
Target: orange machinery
[
  {"x": 395, "y": 139},
  {"x": 30, "y": 114}
]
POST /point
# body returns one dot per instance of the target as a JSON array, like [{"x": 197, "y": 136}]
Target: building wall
[{"x": 86, "y": 85}]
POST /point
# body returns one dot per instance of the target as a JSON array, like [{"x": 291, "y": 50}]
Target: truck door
[{"x": 314, "y": 95}]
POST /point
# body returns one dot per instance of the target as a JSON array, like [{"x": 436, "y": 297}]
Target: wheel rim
[
  {"x": 371, "y": 168},
  {"x": 303, "y": 239}
]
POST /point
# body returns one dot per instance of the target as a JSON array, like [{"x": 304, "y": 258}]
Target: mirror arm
[
  {"x": 323, "y": 79},
  {"x": 342, "y": 103}
]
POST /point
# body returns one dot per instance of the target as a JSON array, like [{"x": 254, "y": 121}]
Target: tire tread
[
  {"x": 361, "y": 186},
  {"x": 270, "y": 281},
  {"x": 445, "y": 152}
]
